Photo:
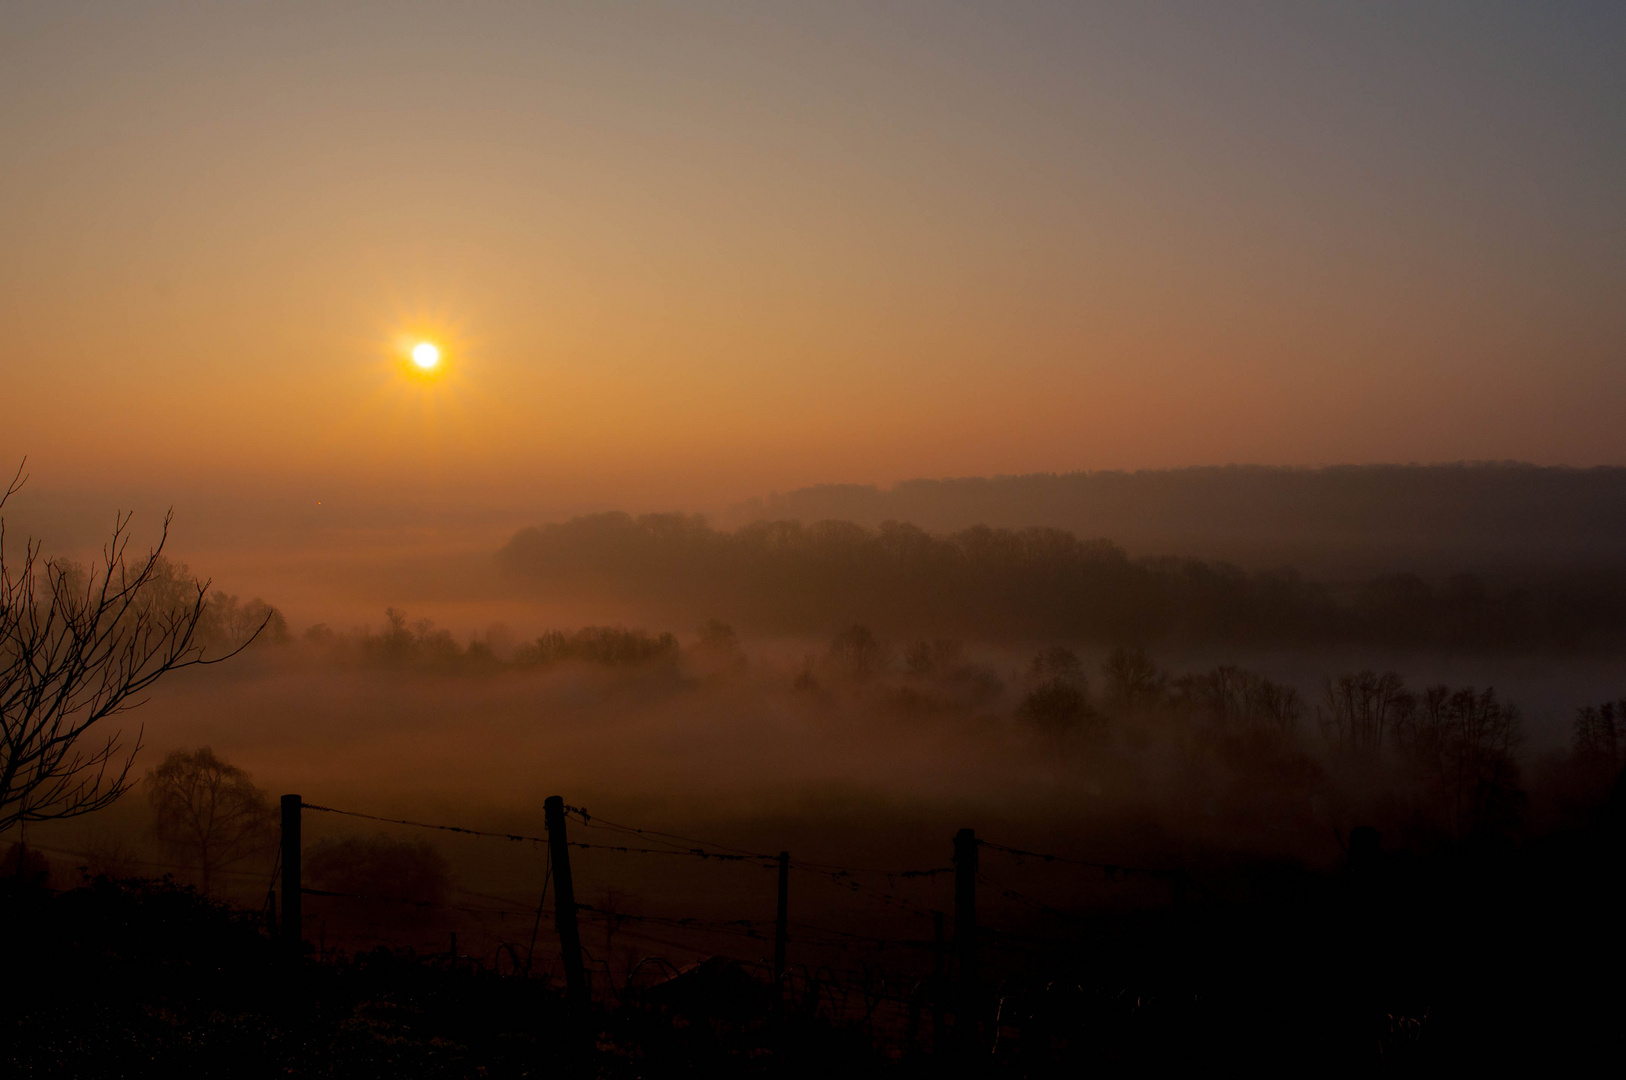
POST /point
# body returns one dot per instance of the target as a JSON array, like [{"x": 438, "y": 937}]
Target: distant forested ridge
[
  {"x": 985, "y": 583},
  {"x": 1361, "y": 519}
]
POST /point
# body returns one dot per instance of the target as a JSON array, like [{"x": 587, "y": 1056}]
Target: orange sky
[{"x": 682, "y": 254}]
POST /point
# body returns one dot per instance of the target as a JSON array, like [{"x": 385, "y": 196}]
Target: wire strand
[{"x": 1112, "y": 869}]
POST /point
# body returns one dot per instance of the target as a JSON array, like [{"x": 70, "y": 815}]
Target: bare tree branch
[{"x": 78, "y": 646}]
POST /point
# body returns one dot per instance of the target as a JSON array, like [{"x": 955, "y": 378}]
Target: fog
[
  {"x": 783, "y": 744},
  {"x": 903, "y": 438},
  {"x": 853, "y": 695}
]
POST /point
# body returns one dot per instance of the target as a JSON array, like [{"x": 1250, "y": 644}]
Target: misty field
[{"x": 1188, "y": 786}]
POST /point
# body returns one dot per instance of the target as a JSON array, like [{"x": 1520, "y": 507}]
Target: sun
[
  {"x": 423, "y": 351},
  {"x": 425, "y": 355}
]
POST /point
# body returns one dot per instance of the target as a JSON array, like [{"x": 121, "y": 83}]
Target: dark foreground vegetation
[
  {"x": 1482, "y": 955},
  {"x": 994, "y": 583}
]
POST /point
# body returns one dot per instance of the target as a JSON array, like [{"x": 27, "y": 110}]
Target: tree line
[
  {"x": 420, "y": 644},
  {"x": 991, "y": 584},
  {"x": 1381, "y": 517}
]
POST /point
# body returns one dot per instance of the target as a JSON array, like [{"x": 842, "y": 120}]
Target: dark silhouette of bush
[
  {"x": 419, "y": 643},
  {"x": 1058, "y": 704},
  {"x": 1058, "y": 663},
  {"x": 719, "y": 638},
  {"x": 932, "y": 657},
  {"x": 1477, "y": 957},
  {"x": 608, "y": 646},
  {"x": 1056, "y": 709},
  {"x": 858, "y": 654}
]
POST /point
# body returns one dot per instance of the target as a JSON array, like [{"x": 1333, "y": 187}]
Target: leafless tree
[
  {"x": 1058, "y": 706},
  {"x": 77, "y": 647},
  {"x": 209, "y": 813},
  {"x": 1217, "y": 696},
  {"x": 1272, "y": 705},
  {"x": 1056, "y": 662},
  {"x": 1133, "y": 682},
  {"x": 858, "y": 653},
  {"x": 1598, "y": 733},
  {"x": 1364, "y": 708},
  {"x": 1466, "y": 740}
]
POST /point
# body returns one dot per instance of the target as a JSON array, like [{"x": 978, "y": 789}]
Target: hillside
[{"x": 1348, "y": 519}]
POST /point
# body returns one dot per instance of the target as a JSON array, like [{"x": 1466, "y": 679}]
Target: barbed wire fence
[
  {"x": 895, "y": 985},
  {"x": 907, "y": 966}
]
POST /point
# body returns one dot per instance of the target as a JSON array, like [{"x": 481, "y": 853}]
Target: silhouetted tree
[
  {"x": 1058, "y": 705},
  {"x": 78, "y": 646},
  {"x": 1230, "y": 699},
  {"x": 208, "y": 813},
  {"x": 1031, "y": 582},
  {"x": 1057, "y": 662},
  {"x": 1056, "y": 708},
  {"x": 938, "y": 657},
  {"x": 228, "y": 621},
  {"x": 1465, "y": 740},
  {"x": 1132, "y": 681},
  {"x": 718, "y": 637},
  {"x": 1597, "y": 733},
  {"x": 434, "y": 645},
  {"x": 610, "y": 646},
  {"x": 1363, "y": 708},
  {"x": 857, "y": 653},
  {"x": 1271, "y": 705},
  {"x": 396, "y": 642},
  {"x": 718, "y": 650},
  {"x": 1215, "y": 696}
]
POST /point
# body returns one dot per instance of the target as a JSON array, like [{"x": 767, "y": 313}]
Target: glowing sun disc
[{"x": 425, "y": 355}]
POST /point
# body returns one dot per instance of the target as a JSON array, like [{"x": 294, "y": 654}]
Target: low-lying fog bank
[
  {"x": 1200, "y": 747},
  {"x": 1124, "y": 754}
]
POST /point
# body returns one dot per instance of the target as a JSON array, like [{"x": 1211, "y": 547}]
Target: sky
[{"x": 675, "y": 255}]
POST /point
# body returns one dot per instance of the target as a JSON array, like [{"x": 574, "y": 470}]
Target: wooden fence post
[
  {"x": 564, "y": 904},
  {"x": 939, "y": 982},
  {"x": 292, "y": 908},
  {"x": 781, "y": 930},
  {"x": 965, "y": 934},
  {"x": 939, "y": 949}
]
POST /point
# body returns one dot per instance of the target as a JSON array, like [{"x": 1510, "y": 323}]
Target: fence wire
[{"x": 874, "y": 885}]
